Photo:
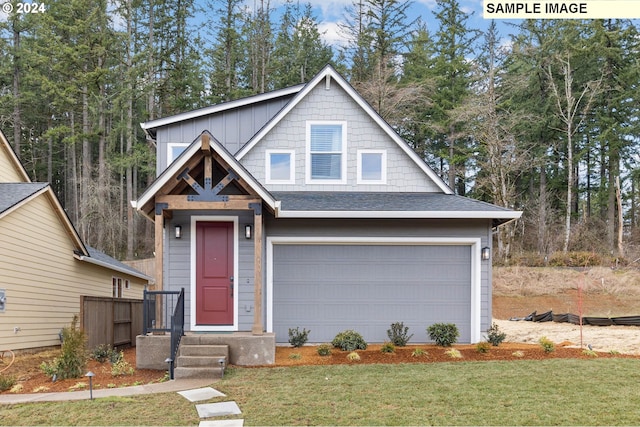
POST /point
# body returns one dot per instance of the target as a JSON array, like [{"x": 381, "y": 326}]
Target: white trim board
[
  {"x": 476, "y": 265},
  {"x": 192, "y": 274}
]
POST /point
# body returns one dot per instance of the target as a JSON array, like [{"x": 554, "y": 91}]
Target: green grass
[{"x": 550, "y": 392}]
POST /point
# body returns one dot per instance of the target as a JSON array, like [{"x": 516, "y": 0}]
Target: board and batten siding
[
  {"x": 233, "y": 128},
  {"x": 396, "y": 229},
  {"x": 403, "y": 175},
  {"x": 42, "y": 279},
  {"x": 179, "y": 258}
]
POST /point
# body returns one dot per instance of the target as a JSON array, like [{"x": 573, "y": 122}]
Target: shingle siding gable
[{"x": 362, "y": 134}]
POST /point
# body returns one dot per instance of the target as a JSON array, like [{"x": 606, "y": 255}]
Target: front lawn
[{"x": 550, "y": 392}]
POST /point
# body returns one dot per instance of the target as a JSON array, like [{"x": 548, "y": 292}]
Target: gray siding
[
  {"x": 233, "y": 128},
  {"x": 397, "y": 228},
  {"x": 178, "y": 263},
  {"x": 362, "y": 133}
]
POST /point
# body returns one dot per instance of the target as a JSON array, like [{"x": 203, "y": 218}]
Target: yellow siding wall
[
  {"x": 42, "y": 279},
  {"x": 8, "y": 172}
]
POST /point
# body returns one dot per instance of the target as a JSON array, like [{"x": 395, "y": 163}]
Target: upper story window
[
  {"x": 174, "y": 150},
  {"x": 372, "y": 167},
  {"x": 326, "y": 152},
  {"x": 280, "y": 166}
]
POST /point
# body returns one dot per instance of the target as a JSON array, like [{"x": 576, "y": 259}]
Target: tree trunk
[{"x": 17, "y": 110}]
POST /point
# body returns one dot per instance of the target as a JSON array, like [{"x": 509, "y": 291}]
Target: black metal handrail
[{"x": 172, "y": 302}]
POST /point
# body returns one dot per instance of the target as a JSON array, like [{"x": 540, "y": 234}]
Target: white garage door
[{"x": 331, "y": 288}]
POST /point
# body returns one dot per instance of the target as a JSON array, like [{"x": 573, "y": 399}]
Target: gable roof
[
  {"x": 179, "y": 165},
  {"x": 327, "y": 74},
  {"x": 150, "y": 126},
  {"x": 13, "y": 158}
]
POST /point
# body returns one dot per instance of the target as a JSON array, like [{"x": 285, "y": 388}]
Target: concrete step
[
  {"x": 204, "y": 350},
  {"x": 197, "y": 372},
  {"x": 200, "y": 361}
]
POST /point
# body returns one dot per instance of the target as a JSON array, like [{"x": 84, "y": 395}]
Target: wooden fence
[{"x": 114, "y": 321}]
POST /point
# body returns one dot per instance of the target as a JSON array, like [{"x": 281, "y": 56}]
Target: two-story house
[{"x": 303, "y": 208}]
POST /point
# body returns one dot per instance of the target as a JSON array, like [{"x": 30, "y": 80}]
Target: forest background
[{"x": 544, "y": 119}]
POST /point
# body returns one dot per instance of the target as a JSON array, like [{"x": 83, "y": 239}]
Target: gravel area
[{"x": 624, "y": 339}]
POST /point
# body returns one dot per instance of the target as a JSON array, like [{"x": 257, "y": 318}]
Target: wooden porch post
[
  {"x": 257, "y": 329},
  {"x": 159, "y": 268}
]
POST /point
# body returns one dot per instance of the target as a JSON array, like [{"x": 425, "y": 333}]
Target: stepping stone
[
  {"x": 199, "y": 394},
  {"x": 219, "y": 409},
  {"x": 222, "y": 423}
]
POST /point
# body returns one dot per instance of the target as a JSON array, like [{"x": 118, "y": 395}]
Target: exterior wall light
[
  {"x": 247, "y": 231},
  {"x": 178, "y": 231},
  {"x": 485, "y": 255}
]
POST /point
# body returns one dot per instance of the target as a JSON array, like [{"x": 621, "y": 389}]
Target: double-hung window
[{"x": 326, "y": 152}]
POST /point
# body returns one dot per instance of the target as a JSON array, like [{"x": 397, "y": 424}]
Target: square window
[
  {"x": 279, "y": 167},
  {"x": 372, "y": 167},
  {"x": 326, "y": 152},
  {"x": 174, "y": 150}
]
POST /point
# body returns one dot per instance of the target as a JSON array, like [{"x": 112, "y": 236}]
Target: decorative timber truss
[{"x": 230, "y": 193}]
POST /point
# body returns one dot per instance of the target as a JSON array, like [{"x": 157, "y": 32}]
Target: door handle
[{"x": 231, "y": 285}]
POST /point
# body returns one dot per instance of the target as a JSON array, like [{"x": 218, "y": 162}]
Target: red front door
[{"x": 214, "y": 273}]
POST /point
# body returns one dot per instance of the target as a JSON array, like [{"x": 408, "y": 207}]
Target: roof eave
[
  {"x": 94, "y": 261},
  {"x": 506, "y": 215}
]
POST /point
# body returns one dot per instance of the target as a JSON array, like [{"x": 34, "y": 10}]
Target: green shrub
[
  {"x": 349, "y": 340},
  {"x": 73, "y": 357},
  {"x": 398, "y": 334},
  {"x": 483, "y": 347},
  {"x": 297, "y": 338},
  {"x": 324, "y": 350},
  {"x": 104, "y": 352},
  {"x": 121, "y": 367},
  {"x": 495, "y": 336},
  {"x": 444, "y": 334},
  {"x": 295, "y": 356},
  {"x": 388, "y": 347},
  {"x": 6, "y": 382},
  {"x": 547, "y": 345}
]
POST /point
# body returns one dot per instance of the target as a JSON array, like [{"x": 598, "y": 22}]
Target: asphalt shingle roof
[
  {"x": 363, "y": 201},
  {"x": 13, "y": 193}
]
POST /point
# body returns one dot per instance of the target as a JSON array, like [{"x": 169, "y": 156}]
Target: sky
[{"x": 330, "y": 12}]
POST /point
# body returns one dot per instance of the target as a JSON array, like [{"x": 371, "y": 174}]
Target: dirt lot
[{"x": 518, "y": 291}]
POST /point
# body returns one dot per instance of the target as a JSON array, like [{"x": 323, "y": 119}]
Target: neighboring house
[
  {"x": 44, "y": 266},
  {"x": 303, "y": 208}
]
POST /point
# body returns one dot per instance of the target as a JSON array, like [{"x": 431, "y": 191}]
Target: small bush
[
  {"x": 103, "y": 353},
  {"x": 353, "y": 356},
  {"x": 518, "y": 353},
  {"x": 121, "y": 367},
  {"x": 444, "y": 334},
  {"x": 73, "y": 358},
  {"x": 6, "y": 382},
  {"x": 547, "y": 345},
  {"x": 418, "y": 352},
  {"x": 454, "y": 353},
  {"x": 398, "y": 334},
  {"x": 388, "y": 347},
  {"x": 590, "y": 353},
  {"x": 495, "y": 336},
  {"x": 297, "y": 338},
  {"x": 324, "y": 350},
  {"x": 349, "y": 340},
  {"x": 483, "y": 347},
  {"x": 295, "y": 356}
]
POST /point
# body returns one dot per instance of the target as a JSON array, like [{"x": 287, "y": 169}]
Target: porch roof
[{"x": 388, "y": 205}]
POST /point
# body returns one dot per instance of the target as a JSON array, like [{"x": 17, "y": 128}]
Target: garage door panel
[{"x": 368, "y": 287}]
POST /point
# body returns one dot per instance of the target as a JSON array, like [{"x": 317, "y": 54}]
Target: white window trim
[
  {"x": 292, "y": 167},
  {"x": 192, "y": 312},
  {"x": 170, "y": 147},
  {"x": 343, "y": 168},
  {"x": 383, "y": 174},
  {"x": 476, "y": 265}
]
